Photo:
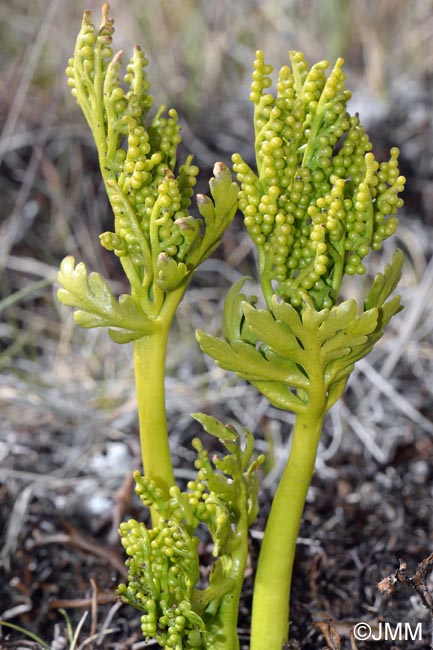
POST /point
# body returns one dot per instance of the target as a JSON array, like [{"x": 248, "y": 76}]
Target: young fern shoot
[
  {"x": 317, "y": 204},
  {"x": 164, "y": 564}
]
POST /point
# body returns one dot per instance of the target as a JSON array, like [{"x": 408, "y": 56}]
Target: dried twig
[
  {"x": 77, "y": 603},
  {"x": 84, "y": 543},
  {"x": 417, "y": 582},
  {"x": 331, "y": 635}
]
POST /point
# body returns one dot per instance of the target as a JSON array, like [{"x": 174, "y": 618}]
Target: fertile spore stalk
[{"x": 316, "y": 205}]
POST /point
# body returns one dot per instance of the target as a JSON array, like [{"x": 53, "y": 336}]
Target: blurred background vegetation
[
  {"x": 201, "y": 55},
  {"x": 58, "y": 383}
]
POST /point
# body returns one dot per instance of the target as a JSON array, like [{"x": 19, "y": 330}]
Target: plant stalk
[
  {"x": 149, "y": 367},
  {"x": 270, "y": 615},
  {"x": 229, "y": 609}
]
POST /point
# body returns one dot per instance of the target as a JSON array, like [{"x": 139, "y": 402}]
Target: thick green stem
[
  {"x": 149, "y": 366},
  {"x": 270, "y": 616}
]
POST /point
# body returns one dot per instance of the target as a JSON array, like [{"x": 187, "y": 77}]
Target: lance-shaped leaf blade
[
  {"x": 281, "y": 396},
  {"x": 276, "y": 334},
  {"x": 247, "y": 362},
  {"x": 224, "y": 193},
  {"x": 349, "y": 333},
  {"x": 96, "y": 305},
  {"x": 234, "y": 325},
  {"x": 287, "y": 314},
  {"x": 385, "y": 283},
  {"x": 216, "y": 428},
  {"x": 369, "y": 325}
]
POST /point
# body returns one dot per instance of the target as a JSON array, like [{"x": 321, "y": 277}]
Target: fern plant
[
  {"x": 315, "y": 207},
  {"x": 159, "y": 244}
]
